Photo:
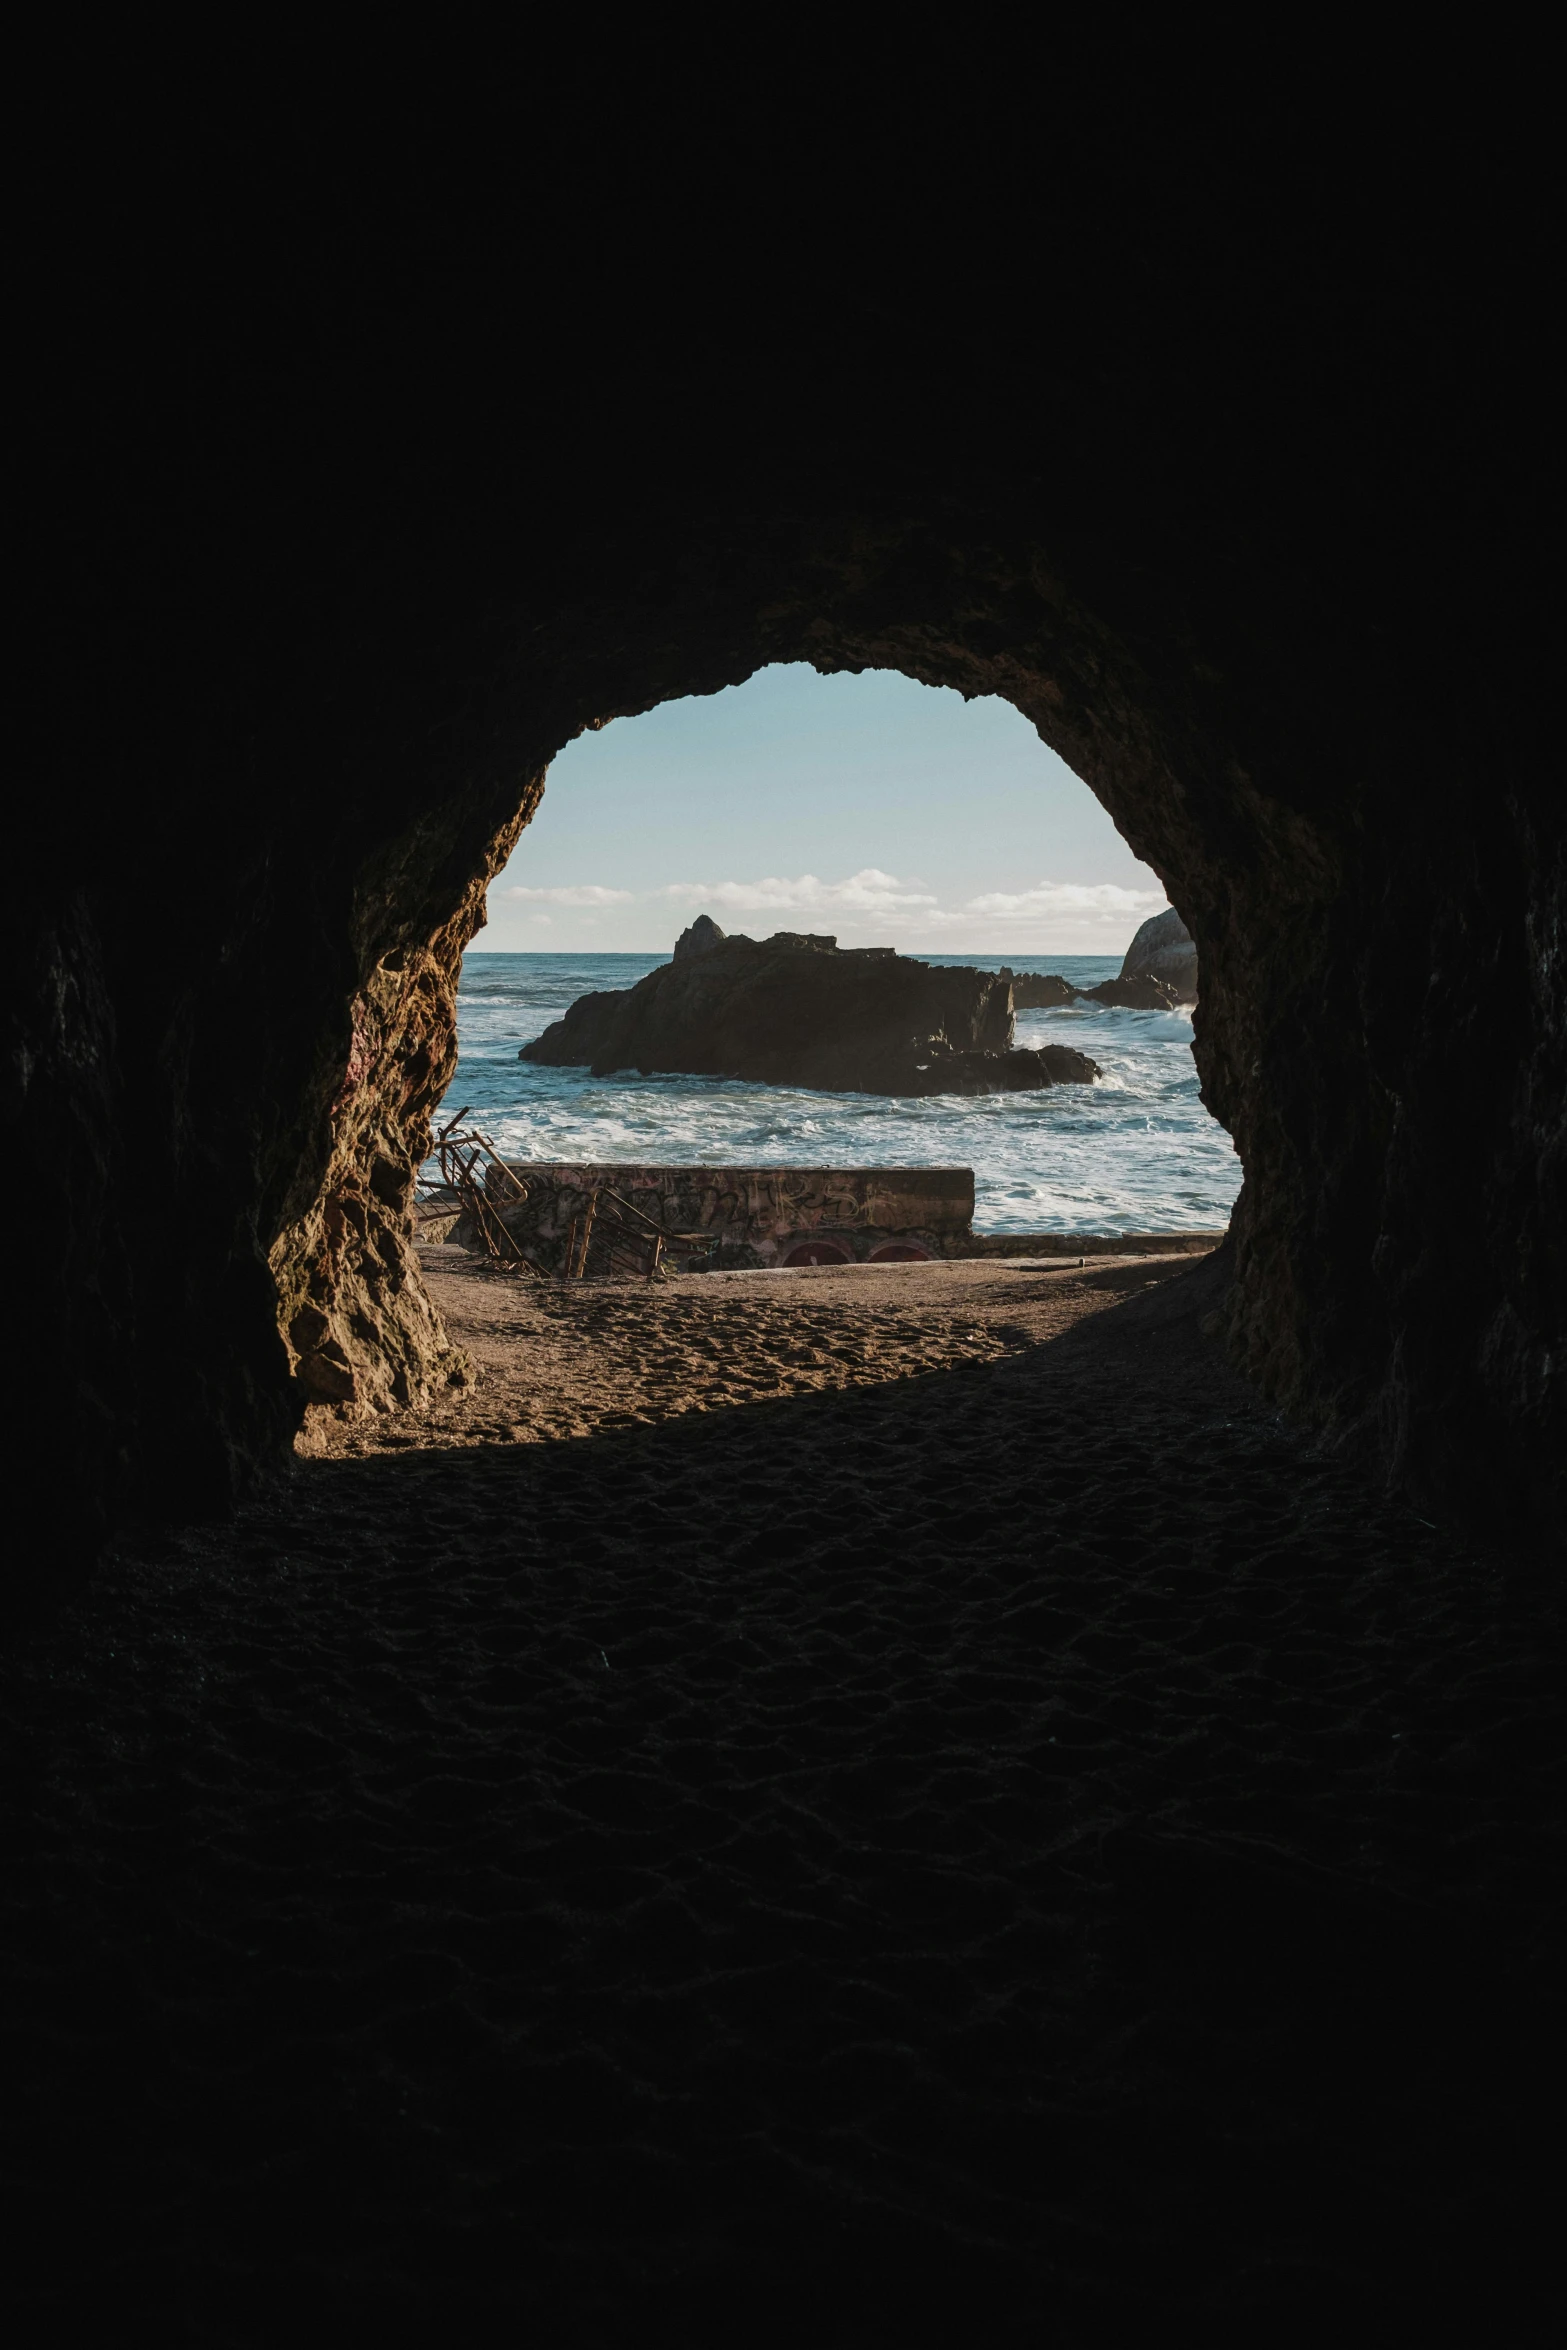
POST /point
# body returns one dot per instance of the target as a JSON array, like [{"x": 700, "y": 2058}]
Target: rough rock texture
[
  {"x": 357, "y": 1324},
  {"x": 358, "y": 513},
  {"x": 353, "y": 1311},
  {"x": 799, "y": 1010},
  {"x": 1164, "y": 949}
]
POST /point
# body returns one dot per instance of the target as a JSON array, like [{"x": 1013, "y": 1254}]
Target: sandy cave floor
[
  {"x": 838, "y": 1807},
  {"x": 560, "y": 1360}
]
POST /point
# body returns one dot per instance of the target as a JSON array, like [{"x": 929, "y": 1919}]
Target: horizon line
[{"x": 474, "y": 948}]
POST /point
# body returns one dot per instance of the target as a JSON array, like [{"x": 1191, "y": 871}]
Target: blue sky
[{"x": 890, "y": 813}]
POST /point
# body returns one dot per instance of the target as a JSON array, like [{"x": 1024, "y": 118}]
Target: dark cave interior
[
  {"x": 329, "y": 681},
  {"x": 1229, "y": 472}
]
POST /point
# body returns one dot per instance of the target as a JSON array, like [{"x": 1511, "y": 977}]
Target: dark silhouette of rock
[
  {"x": 700, "y": 939},
  {"x": 797, "y": 1009},
  {"x": 1141, "y": 992},
  {"x": 1164, "y": 949},
  {"x": 1144, "y": 993},
  {"x": 1038, "y": 991},
  {"x": 1022, "y": 1070}
]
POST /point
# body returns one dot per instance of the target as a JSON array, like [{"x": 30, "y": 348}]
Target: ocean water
[{"x": 1134, "y": 1152}]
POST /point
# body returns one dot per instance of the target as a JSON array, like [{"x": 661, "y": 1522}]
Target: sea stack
[{"x": 798, "y": 1009}]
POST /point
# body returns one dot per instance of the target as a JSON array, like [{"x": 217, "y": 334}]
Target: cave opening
[
  {"x": 1328, "y": 1283},
  {"x": 705, "y": 811},
  {"x": 1025, "y": 860}
]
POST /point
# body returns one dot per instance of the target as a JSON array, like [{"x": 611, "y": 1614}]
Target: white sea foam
[{"x": 1135, "y": 1152}]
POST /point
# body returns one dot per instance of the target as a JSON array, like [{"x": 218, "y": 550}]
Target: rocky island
[
  {"x": 798, "y": 1009},
  {"x": 1157, "y": 974}
]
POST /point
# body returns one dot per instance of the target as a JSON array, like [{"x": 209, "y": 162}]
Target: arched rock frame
[
  {"x": 1298, "y": 906},
  {"x": 301, "y": 720}
]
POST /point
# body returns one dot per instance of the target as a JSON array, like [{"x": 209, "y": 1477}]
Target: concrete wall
[
  {"x": 763, "y": 1210},
  {"x": 760, "y": 1215}
]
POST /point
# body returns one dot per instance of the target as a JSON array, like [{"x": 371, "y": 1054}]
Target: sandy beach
[
  {"x": 573, "y": 1359},
  {"x": 851, "y": 1807}
]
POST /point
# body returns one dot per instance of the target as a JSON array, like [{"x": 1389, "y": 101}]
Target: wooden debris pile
[
  {"x": 608, "y": 1239},
  {"x": 465, "y": 1158},
  {"x": 612, "y": 1240}
]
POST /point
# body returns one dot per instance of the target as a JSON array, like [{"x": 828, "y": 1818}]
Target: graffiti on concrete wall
[{"x": 763, "y": 1215}]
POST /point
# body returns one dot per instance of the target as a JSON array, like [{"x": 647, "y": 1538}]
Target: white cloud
[
  {"x": 577, "y": 893},
  {"x": 1093, "y": 901},
  {"x": 869, "y": 891},
  {"x": 1072, "y": 917},
  {"x": 907, "y": 905}
]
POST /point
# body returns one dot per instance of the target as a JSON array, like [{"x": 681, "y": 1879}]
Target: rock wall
[{"x": 360, "y": 1330}]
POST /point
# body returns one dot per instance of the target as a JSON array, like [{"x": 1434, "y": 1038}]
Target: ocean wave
[{"x": 1135, "y": 1152}]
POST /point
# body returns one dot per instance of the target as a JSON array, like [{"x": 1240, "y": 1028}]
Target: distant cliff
[
  {"x": 1158, "y": 974},
  {"x": 796, "y": 1009},
  {"x": 1164, "y": 949}
]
